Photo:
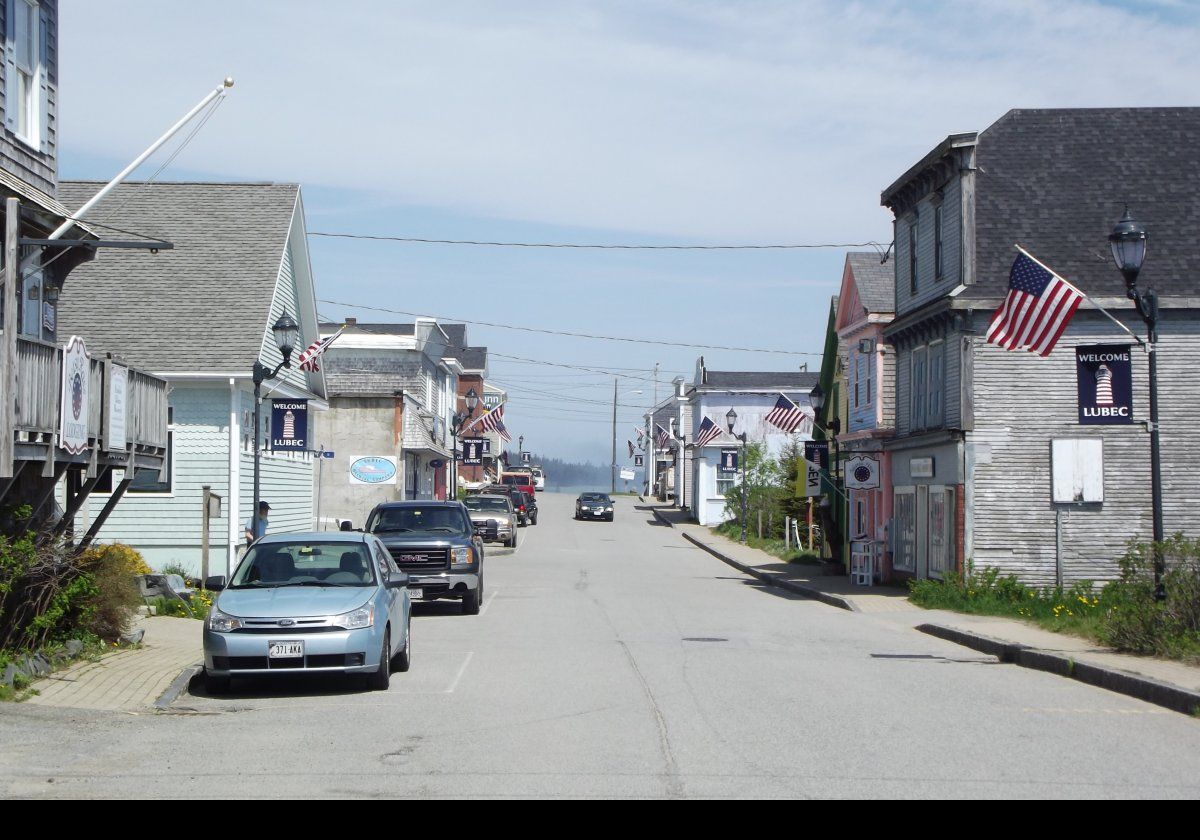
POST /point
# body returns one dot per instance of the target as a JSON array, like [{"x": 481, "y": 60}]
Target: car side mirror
[
  {"x": 346, "y": 525},
  {"x": 215, "y": 583},
  {"x": 399, "y": 580}
]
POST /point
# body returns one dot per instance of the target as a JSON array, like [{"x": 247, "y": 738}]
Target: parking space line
[
  {"x": 488, "y": 602},
  {"x": 462, "y": 670}
]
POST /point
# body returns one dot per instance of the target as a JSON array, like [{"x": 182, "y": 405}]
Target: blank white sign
[{"x": 1077, "y": 469}]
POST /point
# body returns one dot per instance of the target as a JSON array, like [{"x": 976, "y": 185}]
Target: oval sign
[{"x": 373, "y": 470}]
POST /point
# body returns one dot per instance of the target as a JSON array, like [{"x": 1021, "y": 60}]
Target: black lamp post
[
  {"x": 1128, "y": 242},
  {"x": 456, "y": 423},
  {"x": 287, "y": 333},
  {"x": 730, "y": 420},
  {"x": 816, "y": 398}
]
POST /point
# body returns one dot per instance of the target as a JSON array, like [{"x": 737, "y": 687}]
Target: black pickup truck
[{"x": 436, "y": 545}]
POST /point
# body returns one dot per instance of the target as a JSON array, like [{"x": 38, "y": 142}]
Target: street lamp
[
  {"x": 730, "y": 420},
  {"x": 613, "y": 467},
  {"x": 1128, "y": 242},
  {"x": 456, "y": 423},
  {"x": 287, "y": 334},
  {"x": 816, "y": 398}
]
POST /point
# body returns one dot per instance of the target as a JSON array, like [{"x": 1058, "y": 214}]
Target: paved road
[{"x": 615, "y": 660}]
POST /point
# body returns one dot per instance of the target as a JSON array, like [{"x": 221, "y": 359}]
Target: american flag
[
  {"x": 786, "y": 415},
  {"x": 308, "y": 359},
  {"x": 661, "y": 436},
  {"x": 707, "y": 431},
  {"x": 1037, "y": 310}
]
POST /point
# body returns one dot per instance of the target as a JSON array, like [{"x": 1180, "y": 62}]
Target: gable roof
[
  {"x": 203, "y": 306},
  {"x": 1056, "y": 181},
  {"x": 875, "y": 281}
]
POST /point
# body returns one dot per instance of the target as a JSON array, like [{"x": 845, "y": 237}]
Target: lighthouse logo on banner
[{"x": 1105, "y": 383}]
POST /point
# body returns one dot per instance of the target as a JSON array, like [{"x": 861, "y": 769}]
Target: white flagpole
[{"x": 1085, "y": 296}]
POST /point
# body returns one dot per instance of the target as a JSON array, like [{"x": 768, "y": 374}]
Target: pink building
[{"x": 866, "y": 304}]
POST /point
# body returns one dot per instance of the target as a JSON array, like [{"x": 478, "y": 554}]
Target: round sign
[
  {"x": 862, "y": 474},
  {"x": 373, "y": 470}
]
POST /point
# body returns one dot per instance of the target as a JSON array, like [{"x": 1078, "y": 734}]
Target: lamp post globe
[
  {"x": 1128, "y": 242},
  {"x": 816, "y": 397},
  {"x": 287, "y": 333},
  {"x": 730, "y": 419},
  {"x": 472, "y": 401}
]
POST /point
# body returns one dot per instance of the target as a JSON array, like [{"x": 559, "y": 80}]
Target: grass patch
[{"x": 774, "y": 547}]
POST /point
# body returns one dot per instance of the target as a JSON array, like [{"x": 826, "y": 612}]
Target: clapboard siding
[
  {"x": 901, "y": 400},
  {"x": 286, "y": 482},
  {"x": 887, "y": 386},
  {"x": 1022, "y": 402},
  {"x": 167, "y": 528}
]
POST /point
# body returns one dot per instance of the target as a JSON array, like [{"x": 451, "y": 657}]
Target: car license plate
[
  {"x": 416, "y": 594},
  {"x": 285, "y": 650}
]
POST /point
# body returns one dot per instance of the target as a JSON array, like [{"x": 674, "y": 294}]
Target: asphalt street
[{"x": 616, "y": 660}]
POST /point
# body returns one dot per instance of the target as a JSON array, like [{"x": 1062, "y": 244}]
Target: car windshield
[
  {"x": 414, "y": 518},
  {"x": 594, "y": 498},
  {"x": 477, "y": 503},
  {"x": 269, "y": 565}
]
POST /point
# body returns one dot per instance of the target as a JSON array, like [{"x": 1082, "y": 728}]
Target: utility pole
[{"x": 614, "y": 438}]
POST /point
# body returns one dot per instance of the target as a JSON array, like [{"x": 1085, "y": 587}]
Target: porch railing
[{"x": 39, "y": 387}]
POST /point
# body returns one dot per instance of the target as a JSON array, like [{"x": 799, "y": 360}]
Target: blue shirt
[{"x": 257, "y": 526}]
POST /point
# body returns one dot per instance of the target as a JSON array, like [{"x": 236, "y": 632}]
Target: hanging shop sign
[
  {"x": 628, "y": 475},
  {"x": 1105, "y": 377},
  {"x": 373, "y": 469},
  {"x": 816, "y": 463},
  {"x": 639, "y": 460},
  {"x": 729, "y": 461},
  {"x": 526, "y": 457},
  {"x": 472, "y": 452},
  {"x": 289, "y": 425},
  {"x": 118, "y": 384},
  {"x": 862, "y": 473},
  {"x": 76, "y": 382}
]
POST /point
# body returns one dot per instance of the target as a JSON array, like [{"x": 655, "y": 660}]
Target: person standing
[{"x": 257, "y": 526}]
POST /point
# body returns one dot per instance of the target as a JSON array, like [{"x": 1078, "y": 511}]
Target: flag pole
[{"x": 1086, "y": 297}]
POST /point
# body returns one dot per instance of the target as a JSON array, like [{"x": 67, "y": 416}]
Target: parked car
[
  {"x": 529, "y": 500},
  {"x": 539, "y": 478},
  {"x": 520, "y": 501},
  {"x": 436, "y": 545},
  {"x": 494, "y": 517},
  {"x": 304, "y": 603},
  {"x": 594, "y": 506},
  {"x": 520, "y": 480}
]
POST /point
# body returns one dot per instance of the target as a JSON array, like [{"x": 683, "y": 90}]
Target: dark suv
[{"x": 436, "y": 545}]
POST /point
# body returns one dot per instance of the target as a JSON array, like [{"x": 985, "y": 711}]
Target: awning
[{"x": 54, "y": 211}]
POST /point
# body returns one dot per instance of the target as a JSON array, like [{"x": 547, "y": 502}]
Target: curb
[
  {"x": 776, "y": 580},
  {"x": 177, "y": 687},
  {"x": 662, "y": 518},
  {"x": 1168, "y": 696}
]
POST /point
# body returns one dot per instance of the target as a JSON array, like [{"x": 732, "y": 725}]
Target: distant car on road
[
  {"x": 436, "y": 545},
  {"x": 594, "y": 506},
  {"x": 304, "y": 603},
  {"x": 494, "y": 517},
  {"x": 520, "y": 500}
]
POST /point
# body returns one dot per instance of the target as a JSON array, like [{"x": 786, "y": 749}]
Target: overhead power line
[
  {"x": 597, "y": 246},
  {"x": 570, "y": 334}
]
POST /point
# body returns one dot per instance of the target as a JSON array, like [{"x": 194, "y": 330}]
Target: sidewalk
[
  {"x": 1168, "y": 683},
  {"x": 131, "y": 679}
]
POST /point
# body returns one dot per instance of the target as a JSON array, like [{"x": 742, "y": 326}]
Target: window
[
  {"x": 936, "y": 384},
  {"x": 937, "y": 242},
  {"x": 918, "y": 387},
  {"x": 724, "y": 485},
  {"x": 912, "y": 258},
  {"x": 904, "y": 530},
  {"x": 856, "y": 375},
  {"x": 866, "y": 373},
  {"x": 150, "y": 481},
  {"x": 24, "y": 92}
]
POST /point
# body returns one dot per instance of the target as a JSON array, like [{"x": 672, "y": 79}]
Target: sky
[{"x": 648, "y": 122}]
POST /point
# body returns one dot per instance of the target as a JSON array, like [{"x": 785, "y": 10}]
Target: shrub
[
  {"x": 176, "y": 568},
  {"x": 1134, "y": 621},
  {"x": 114, "y": 595}
]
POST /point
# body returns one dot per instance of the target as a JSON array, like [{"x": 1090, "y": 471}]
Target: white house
[
  {"x": 752, "y": 395},
  {"x": 199, "y": 316}
]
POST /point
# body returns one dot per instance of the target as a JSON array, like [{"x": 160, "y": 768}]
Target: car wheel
[
  {"x": 535, "y": 519},
  {"x": 403, "y": 660},
  {"x": 217, "y": 685},
  {"x": 470, "y": 601},
  {"x": 512, "y": 541},
  {"x": 382, "y": 678}
]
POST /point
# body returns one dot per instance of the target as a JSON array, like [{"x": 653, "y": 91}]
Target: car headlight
[
  {"x": 357, "y": 619},
  {"x": 608, "y": 509},
  {"x": 222, "y": 622},
  {"x": 461, "y": 557}
]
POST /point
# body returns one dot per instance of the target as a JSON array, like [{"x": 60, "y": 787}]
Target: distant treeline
[{"x": 560, "y": 473}]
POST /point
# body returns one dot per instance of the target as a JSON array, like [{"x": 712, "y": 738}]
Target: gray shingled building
[{"x": 974, "y": 423}]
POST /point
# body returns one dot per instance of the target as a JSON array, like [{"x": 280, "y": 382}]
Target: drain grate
[{"x": 704, "y": 639}]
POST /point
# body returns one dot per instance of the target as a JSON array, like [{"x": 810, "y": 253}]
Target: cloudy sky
[{"x": 599, "y": 122}]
